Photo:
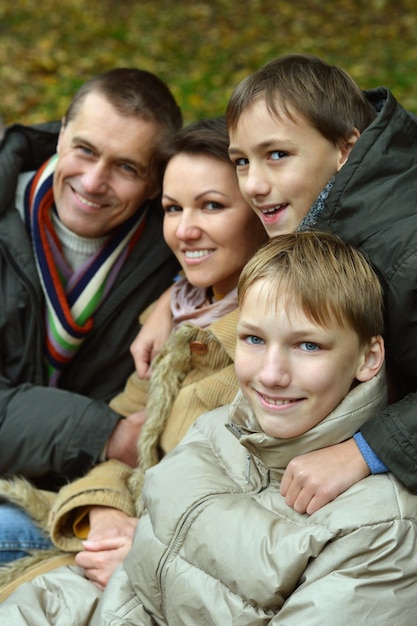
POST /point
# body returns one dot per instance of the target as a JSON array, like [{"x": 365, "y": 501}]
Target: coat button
[{"x": 198, "y": 347}]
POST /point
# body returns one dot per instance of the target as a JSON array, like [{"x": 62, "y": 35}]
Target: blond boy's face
[
  {"x": 292, "y": 371},
  {"x": 282, "y": 165}
]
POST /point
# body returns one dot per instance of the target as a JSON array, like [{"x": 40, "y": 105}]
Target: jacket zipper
[{"x": 177, "y": 541}]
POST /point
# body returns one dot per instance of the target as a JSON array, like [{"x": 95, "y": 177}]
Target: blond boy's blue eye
[
  {"x": 241, "y": 161},
  {"x": 253, "y": 340},
  {"x": 309, "y": 346}
]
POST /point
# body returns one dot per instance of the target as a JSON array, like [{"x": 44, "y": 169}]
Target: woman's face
[{"x": 207, "y": 223}]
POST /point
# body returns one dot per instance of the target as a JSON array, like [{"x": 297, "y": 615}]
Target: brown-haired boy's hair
[
  {"x": 325, "y": 95},
  {"x": 331, "y": 281}
]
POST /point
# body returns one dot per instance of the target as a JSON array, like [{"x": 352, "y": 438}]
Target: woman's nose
[{"x": 188, "y": 227}]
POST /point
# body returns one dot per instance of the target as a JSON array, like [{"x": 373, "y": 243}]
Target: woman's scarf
[
  {"x": 72, "y": 298},
  {"x": 189, "y": 303}
]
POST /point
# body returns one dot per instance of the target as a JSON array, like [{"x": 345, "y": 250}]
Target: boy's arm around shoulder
[
  {"x": 392, "y": 434},
  {"x": 104, "y": 485}
]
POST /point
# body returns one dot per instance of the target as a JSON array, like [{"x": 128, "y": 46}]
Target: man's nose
[{"x": 96, "y": 178}]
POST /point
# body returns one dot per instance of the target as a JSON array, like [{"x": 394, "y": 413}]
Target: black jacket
[
  {"x": 373, "y": 206},
  {"x": 48, "y": 433}
]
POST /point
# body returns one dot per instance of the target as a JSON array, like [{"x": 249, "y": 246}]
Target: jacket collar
[
  {"x": 361, "y": 404},
  {"x": 225, "y": 332},
  {"x": 368, "y": 154}
]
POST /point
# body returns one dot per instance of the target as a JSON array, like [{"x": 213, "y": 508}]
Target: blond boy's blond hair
[{"x": 330, "y": 280}]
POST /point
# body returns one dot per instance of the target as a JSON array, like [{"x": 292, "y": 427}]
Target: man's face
[
  {"x": 102, "y": 174},
  {"x": 292, "y": 371},
  {"x": 282, "y": 165}
]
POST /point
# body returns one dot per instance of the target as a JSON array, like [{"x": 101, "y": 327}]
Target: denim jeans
[{"x": 18, "y": 534}]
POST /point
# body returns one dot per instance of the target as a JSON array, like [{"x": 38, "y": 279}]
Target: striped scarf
[{"x": 72, "y": 298}]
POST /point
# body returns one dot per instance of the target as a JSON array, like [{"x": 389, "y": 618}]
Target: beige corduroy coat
[{"x": 193, "y": 373}]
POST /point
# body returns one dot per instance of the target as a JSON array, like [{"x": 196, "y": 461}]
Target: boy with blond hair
[
  {"x": 216, "y": 542},
  {"x": 314, "y": 151}
]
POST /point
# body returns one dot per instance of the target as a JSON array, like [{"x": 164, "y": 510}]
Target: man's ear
[
  {"x": 346, "y": 146},
  {"x": 372, "y": 359}
]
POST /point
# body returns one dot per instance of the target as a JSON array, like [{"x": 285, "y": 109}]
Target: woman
[{"x": 213, "y": 232}]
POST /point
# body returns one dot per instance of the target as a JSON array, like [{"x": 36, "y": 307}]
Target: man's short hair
[
  {"x": 135, "y": 93},
  {"x": 132, "y": 92}
]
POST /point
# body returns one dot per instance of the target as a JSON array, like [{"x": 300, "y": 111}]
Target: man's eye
[
  {"x": 309, "y": 346},
  {"x": 84, "y": 149},
  {"x": 128, "y": 169}
]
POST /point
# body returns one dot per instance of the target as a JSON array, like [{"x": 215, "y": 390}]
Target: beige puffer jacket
[
  {"x": 231, "y": 551},
  {"x": 218, "y": 545}
]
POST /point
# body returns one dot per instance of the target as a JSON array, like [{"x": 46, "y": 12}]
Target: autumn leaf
[{"x": 201, "y": 49}]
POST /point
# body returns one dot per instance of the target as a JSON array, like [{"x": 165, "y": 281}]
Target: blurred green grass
[{"x": 201, "y": 49}]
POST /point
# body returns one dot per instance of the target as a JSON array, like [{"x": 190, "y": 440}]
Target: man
[{"x": 81, "y": 255}]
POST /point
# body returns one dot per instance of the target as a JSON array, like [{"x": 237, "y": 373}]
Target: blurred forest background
[{"x": 201, "y": 49}]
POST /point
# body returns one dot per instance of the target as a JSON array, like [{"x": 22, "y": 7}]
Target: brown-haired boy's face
[{"x": 282, "y": 165}]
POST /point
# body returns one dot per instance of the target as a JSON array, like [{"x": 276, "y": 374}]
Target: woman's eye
[
  {"x": 309, "y": 346},
  {"x": 171, "y": 208},
  {"x": 213, "y": 206}
]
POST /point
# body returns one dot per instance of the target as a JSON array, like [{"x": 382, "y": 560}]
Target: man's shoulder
[
  {"x": 28, "y": 146},
  {"x": 34, "y": 132}
]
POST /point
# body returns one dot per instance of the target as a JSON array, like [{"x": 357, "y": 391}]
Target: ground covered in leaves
[{"x": 201, "y": 49}]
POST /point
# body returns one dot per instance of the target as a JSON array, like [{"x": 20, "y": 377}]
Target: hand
[
  {"x": 109, "y": 541},
  {"x": 107, "y": 522},
  {"x": 123, "y": 442},
  {"x": 316, "y": 478},
  {"x": 152, "y": 336}
]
